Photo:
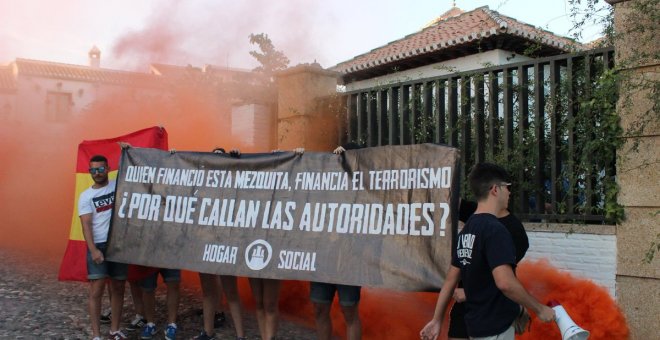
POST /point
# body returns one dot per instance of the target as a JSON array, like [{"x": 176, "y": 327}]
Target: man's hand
[
  {"x": 430, "y": 331},
  {"x": 124, "y": 145},
  {"x": 299, "y": 151},
  {"x": 339, "y": 150},
  {"x": 97, "y": 255},
  {"x": 546, "y": 314},
  {"x": 459, "y": 295},
  {"x": 236, "y": 153}
]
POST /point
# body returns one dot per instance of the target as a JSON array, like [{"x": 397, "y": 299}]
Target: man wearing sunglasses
[
  {"x": 483, "y": 260},
  {"x": 95, "y": 210}
]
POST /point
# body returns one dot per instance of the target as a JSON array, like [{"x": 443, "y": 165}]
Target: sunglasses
[
  {"x": 507, "y": 185},
  {"x": 98, "y": 170}
]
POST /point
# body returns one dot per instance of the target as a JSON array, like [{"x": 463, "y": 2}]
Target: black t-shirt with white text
[{"x": 482, "y": 245}]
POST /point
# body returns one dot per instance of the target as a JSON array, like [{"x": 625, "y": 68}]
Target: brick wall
[{"x": 588, "y": 253}]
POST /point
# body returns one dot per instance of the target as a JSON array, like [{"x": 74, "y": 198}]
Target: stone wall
[{"x": 638, "y": 164}]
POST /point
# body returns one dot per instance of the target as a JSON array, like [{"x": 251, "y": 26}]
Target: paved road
[{"x": 34, "y": 305}]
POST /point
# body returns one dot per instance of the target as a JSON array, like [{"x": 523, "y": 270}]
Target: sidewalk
[{"x": 34, "y": 305}]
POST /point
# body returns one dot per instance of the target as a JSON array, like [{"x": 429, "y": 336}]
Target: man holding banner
[
  {"x": 322, "y": 294},
  {"x": 95, "y": 209}
]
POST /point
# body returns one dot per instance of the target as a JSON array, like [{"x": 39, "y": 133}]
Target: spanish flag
[{"x": 74, "y": 265}]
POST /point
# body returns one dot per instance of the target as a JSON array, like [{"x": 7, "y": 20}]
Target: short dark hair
[
  {"x": 98, "y": 158},
  {"x": 483, "y": 176}
]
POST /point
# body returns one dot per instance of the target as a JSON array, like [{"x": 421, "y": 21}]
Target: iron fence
[{"x": 533, "y": 117}]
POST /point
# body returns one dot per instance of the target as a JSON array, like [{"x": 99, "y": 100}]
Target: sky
[{"x": 133, "y": 34}]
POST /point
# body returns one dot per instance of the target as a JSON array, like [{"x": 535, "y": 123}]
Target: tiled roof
[
  {"x": 452, "y": 12},
  {"x": 7, "y": 80},
  {"x": 457, "y": 34},
  {"x": 85, "y": 73}
]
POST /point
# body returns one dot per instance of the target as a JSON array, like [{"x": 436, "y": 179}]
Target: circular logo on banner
[{"x": 258, "y": 254}]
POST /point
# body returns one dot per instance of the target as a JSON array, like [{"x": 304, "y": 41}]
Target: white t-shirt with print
[{"x": 98, "y": 202}]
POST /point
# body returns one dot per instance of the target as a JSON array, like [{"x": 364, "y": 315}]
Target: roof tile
[
  {"x": 448, "y": 31},
  {"x": 85, "y": 73}
]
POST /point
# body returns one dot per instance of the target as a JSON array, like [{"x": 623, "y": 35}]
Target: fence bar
[
  {"x": 507, "y": 77},
  {"x": 428, "y": 109},
  {"x": 371, "y": 123},
  {"x": 479, "y": 121},
  {"x": 493, "y": 114},
  {"x": 589, "y": 173},
  {"x": 453, "y": 112},
  {"x": 414, "y": 113},
  {"x": 570, "y": 130},
  {"x": 360, "y": 115},
  {"x": 440, "y": 112},
  {"x": 555, "y": 146},
  {"x": 349, "y": 116},
  {"x": 466, "y": 135},
  {"x": 523, "y": 125},
  {"x": 539, "y": 127},
  {"x": 403, "y": 114},
  {"x": 380, "y": 115}
]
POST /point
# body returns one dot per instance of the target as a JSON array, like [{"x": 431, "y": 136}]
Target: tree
[{"x": 271, "y": 60}]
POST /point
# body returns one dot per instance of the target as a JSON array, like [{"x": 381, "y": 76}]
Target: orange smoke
[
  {"x": 589, "y": 305},
  {"x": 38, "y": 157},
  {"x": 401, "y": 315}
]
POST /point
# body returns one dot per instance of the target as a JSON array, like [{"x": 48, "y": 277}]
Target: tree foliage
[{"x": 270, "y": 59}]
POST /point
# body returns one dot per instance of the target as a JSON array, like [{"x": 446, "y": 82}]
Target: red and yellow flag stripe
[{"x": 74, "y": 266}]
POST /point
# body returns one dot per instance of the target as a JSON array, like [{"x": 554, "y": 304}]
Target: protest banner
[{"x": 379, "y": 217}]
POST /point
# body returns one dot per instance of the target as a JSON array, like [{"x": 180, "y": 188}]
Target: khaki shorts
[{"x": 509, "y": 334}]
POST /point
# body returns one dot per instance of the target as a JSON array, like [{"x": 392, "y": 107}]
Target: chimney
[{"x": 95, "y": 57}]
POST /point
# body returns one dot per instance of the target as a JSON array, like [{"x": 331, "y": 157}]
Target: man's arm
[
  {"x": 86, "y": 221},
  {"x": 507, "y": 282},
  {"x": 432, "y": 328}
]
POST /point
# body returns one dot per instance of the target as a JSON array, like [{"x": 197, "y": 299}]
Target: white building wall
[
  {"x": 467, "y": 63},
  {"x": 588, "y": 256},
  {"x": 251, "y": 125}
]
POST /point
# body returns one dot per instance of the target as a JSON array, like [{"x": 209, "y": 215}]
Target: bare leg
[
  {"x": 257, "y": 286},
  {"x": 209, "y": 300},
  {"x": 230, "y": 288},
  {"x": 117, "y": 303},
  {"x": 172, "y": 301},
  {"x": 271, "y": 299},
  {"x": 149, "y": 300},
  {"x": 323, "y": 321},
  {"x": 353, "y": 324},
  {"x": 94, "y": 303},
  {"x": 136, "y": 294}
]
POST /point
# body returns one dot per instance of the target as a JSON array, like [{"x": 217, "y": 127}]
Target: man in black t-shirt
[
  {"x": 457, "y": 327},
  {"x": 483, "y": 260}
]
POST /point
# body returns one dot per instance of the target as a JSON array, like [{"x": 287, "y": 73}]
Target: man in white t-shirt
[{"x": 95, "y": 210}]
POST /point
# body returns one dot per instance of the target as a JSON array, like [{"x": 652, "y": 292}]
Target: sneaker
[
  {"x": 137, "y": 323},
  {"x": 170, "y": 332},
  {"x": 105, "y": 316},
  {"x": 219, "y": 320},
  {"x": 117, "y": 335},
  {"x": 148, "y": 331},
  {"x": 203, "y": 336}
]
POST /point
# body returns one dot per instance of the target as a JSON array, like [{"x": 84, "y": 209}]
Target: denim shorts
[
  {"x": 320, "y": 292},
  {"x": 114, "y": 270},
  {"x": 169, "y": 275}
]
